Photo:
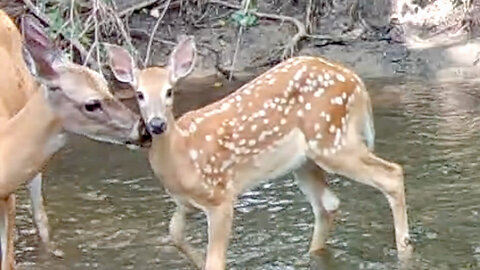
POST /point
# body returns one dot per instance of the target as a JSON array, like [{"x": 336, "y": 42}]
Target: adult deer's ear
[
  {"x": 121, "y": 63},
  {"x": 39, "y": 53},
  {"x": 29, "y": 62},
  {"x": 182, "y": 59}
]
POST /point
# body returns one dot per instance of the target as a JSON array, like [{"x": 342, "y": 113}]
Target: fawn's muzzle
[{"x": 157, "y": 125}]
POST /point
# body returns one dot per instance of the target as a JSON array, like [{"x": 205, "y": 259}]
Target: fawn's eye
[
  {"x": 169, "y": 93},
  {"x": 140, "y": 95},
  {"x": 93, "y": 105}
]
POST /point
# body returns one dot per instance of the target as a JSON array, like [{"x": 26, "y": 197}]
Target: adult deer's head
[{"x": 78, "y": 95}]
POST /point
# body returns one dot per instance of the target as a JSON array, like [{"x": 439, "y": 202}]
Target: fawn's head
[
  {"x": 78, "y": 95},
  {"x": 154, "y": 85}
]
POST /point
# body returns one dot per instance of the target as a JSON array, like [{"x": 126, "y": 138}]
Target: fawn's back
[{"x": 269, "y": 125}]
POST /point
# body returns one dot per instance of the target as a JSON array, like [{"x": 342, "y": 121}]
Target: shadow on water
[{"x": 108, "y": 212}]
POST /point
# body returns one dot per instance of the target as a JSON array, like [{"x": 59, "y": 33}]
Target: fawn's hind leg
[
  {"x": 311, "y": 180},
  {"x": 356, "y": 162}
]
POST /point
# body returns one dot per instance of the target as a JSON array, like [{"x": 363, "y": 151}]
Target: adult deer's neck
[{"x": 27, "y": 141}]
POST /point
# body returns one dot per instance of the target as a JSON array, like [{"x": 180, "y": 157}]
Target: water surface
[{"x": 107, "y": 211}]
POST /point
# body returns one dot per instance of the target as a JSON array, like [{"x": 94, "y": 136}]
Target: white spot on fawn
[
  {"x": 308, "y": 106},
  {"x": 337, "y": 100},
  {"x": 327, "y": 117},
  {"x": 192, "y": 127},
  {"x": 193, "y": 154},
  {"x": 298, "y": 75},
  {"x": 319, "y": 92},
  {"x": 300, "y": 99}
]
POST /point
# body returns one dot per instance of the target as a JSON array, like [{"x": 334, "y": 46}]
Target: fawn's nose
[{"x": 157, "y": 125}]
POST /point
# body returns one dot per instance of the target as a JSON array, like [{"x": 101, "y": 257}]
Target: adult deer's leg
[
  {"x": 39, "y": 215},
  {"x": 7, "y": 233},
  {"x": 219, "y": 227},
  {"x": 359, "y": 164},
  {"x": 311, "y": 180},
  {"x": 177, "y": 233}
]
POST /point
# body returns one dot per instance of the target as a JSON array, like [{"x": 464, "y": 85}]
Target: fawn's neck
[{"x": 169, "y": 161}]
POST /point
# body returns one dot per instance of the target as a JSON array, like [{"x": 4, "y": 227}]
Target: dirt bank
[
  {"x": 363, "y": 37},
  {"x": 438, "y": 39}
]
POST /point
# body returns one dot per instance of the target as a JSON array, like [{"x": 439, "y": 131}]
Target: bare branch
[
  {"x": 72, "y": 6},
  {"x": 154, "y": 30},
  {"x": 302, "y": 32},
  {"x": 246, "y": 4},
  {"x": 96, "y": 43},
  {"x": 42, "y": 17},
  {"x": 137, "y": 6}
]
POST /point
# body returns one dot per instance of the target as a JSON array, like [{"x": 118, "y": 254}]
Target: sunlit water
[{"x": 107, "y": 211}]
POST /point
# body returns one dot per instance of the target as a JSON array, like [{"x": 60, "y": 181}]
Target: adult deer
[
  {"x": 307, "y": 115},
  {"x": 33, "y": 115}
]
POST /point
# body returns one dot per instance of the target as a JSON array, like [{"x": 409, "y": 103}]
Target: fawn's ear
[
  {"x": 42, "y": 59},
  {"x": 121, "y": 63},
  {"x": 182, "y": 59}
]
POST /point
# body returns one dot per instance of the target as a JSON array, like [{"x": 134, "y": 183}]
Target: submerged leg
[
  {"x": 7, "y": 231},
  {"x": 311, "y": 180},
  {"x": 40, "y": 217},
  {"x": 177, "y": 233}
]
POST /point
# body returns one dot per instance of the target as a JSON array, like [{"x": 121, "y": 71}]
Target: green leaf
[{"x": 245, "y": 19}]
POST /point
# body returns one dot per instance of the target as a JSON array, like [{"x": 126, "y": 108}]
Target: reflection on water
[{"x": 108, "y": 212}]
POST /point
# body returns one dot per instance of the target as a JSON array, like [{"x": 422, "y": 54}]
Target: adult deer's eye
[
  {"x": 169, "y": 93},
  {"x": 93, "y": 105},
  {"x": 140, "y": 95},
  {"x": 54, "y": 88}
]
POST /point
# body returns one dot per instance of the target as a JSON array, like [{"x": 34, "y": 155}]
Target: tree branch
[
  {"x": 301, "y": 30},
  {"x": 74, "y": 42}
]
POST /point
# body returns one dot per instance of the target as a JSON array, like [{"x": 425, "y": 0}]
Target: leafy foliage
[{"x": 244, "y": 18}]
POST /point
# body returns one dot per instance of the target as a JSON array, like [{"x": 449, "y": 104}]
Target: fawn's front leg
[
  {"x": 219, "y": 228},
  {"x": 177, "y": 233}
]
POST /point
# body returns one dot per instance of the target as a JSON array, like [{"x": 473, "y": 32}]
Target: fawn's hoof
[{"x": 405, "y": 253}]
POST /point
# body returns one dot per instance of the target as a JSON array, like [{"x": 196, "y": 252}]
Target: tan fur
[
  {"x": 306, "y": 109},
  {"x": 31, "y": 132}
]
